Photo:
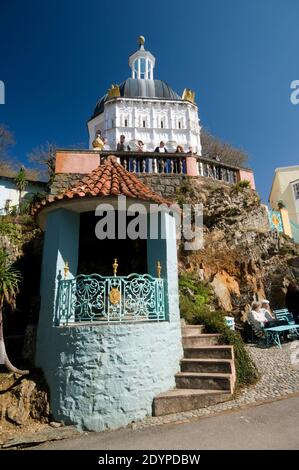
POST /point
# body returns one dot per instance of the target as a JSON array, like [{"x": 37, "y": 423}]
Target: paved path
[{"x": 269, "y": 426}]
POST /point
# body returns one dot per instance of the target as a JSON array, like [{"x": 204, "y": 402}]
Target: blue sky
[{"x": 58, "y": 57}]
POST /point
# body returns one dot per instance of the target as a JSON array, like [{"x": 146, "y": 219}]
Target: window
[
  {"x": 150, "y": 70},
  {"x": 142, "y": 68},
  {"x": 180, "y": 125},
  {"x": 126, "y": 122},
  {"x": 162, "y": 124},
  {"x": 296, "y": 190},
  {"x": 143, "y": 123}
]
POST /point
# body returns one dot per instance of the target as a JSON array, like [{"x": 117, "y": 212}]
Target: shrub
[
  {"x": 243, "y": 184},
  {"x": 196, "y": 306},
  {"x": 12, "y": 231}
]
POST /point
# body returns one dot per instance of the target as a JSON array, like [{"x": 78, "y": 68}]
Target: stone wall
[
  {"x": 105, "y": 376},
  {"x": 164, "y": 185},
  {"x": 63, "y": 181}
]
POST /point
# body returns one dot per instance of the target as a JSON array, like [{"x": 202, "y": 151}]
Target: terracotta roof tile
[{"x": 108, "y": 179}]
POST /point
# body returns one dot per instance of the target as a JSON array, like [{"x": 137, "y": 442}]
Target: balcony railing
[
  {"x": 174, "y": 164},
  {"x": 152, "y": 163},
  {"x": 114, "y": 299},
  {"x": 149, "y": 162},
  {"x": 217, "y": 171}
]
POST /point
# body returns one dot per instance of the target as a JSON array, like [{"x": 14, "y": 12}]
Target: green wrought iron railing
[{"x": 94, "y": 298}]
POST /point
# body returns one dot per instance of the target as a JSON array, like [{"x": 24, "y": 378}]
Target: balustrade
[{"x": 112, "y": 299}]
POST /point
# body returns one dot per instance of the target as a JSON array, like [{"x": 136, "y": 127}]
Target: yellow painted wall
[{"x": 282, "y": 190}]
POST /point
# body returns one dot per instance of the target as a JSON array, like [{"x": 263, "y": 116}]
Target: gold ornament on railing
[
  {"x": 114, "y": 296},
  {"x": 115, "y": 266},
  {"x": 66, "y": 269},
  {"x": 159, "y": 269}
]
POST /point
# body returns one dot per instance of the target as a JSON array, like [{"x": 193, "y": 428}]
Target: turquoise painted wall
[
  {"x": 105, "y": 376},
  {"x": 295, "y": 231}
]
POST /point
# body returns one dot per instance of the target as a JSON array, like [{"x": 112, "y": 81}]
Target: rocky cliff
[{"x": 241, "y": 258}]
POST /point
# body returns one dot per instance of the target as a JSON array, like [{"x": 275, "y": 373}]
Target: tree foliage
[
  {"x": 21, "y": 183},
  {"x": 10, "y": 280},
  {"x": 212, "y": 147},
  {"x": 43, "y": 158},
  {"x": 6, "y": 141}
]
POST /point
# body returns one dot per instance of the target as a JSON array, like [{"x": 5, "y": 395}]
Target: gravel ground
[{"x": 279, "y": 369}]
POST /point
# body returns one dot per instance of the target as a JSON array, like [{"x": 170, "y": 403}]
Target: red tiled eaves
[{"x": 109, "y": 179}]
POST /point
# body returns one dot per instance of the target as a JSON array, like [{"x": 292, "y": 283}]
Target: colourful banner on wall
[{"x": 275, "y": 220}]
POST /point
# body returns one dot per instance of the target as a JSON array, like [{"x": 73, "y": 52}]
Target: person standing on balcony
[
  {"x": 164, "y": 166},
  {"x": 190, "y": 151},
  {"x": 179, "y": 149},
  {"x": 140, "y": 146},
  {"x": 122, "y": 146},
  {"x": 161, "y": 148},
  {"x": 106, "y": 145}
]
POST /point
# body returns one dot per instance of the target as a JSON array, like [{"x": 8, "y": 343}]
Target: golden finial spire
[
  {"x": 141, "y": 40},
  {"x": 159, "y": 269},
  {"x": 115, "y": 266},
  {"x": 66, "y": 269}
]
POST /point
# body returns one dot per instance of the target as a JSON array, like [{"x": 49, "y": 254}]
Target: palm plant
[
  {"x": 21, "y": 183},
  {"x": 9, "y": 287}
]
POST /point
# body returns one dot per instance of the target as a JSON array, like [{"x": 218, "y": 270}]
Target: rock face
[
  {"x": 23, "y": 399},
  {"x": 224, "y": 285},
  {"x": 241, "y": 258}
]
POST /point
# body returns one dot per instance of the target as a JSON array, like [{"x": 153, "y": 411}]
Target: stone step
[
  {"x": 207, "y": 365},
  {"x": 178, "y": 400},
  {"x": 207, "y": 339},
  {"x": 204, "y": 381},
  {"x": 209, "y": 352},
  {"x": 192, "y": 330}
]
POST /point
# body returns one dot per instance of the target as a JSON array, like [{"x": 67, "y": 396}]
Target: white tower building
[{"x": 143, "y": 108}]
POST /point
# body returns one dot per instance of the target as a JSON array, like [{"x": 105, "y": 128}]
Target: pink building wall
[
  {"x": 191, "y": 166},
  {"x": 68, "y": 161},
  {"x": 247, "y": 175}
]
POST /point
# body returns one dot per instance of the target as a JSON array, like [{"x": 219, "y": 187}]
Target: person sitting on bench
[
  {"x": 261, "y": 317},
  {"x": 257, "y": 318}
]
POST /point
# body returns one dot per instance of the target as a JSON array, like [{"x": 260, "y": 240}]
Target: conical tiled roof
[{"x": 108, "y": 179}]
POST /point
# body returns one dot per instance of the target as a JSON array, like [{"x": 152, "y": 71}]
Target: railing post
[{"x": 191, "y": 166}]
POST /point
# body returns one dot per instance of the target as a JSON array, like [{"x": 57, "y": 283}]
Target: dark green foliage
[
  {"x": 11, "y": 230},
  {"x": 243, "y": 184},
  {"x": 10, "y": 279},
  {"x": 19, "y": 229},
  {"x": 196, "y": 306}
]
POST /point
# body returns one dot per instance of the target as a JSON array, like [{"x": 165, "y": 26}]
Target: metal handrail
[{"x": 110, "y": 299}]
